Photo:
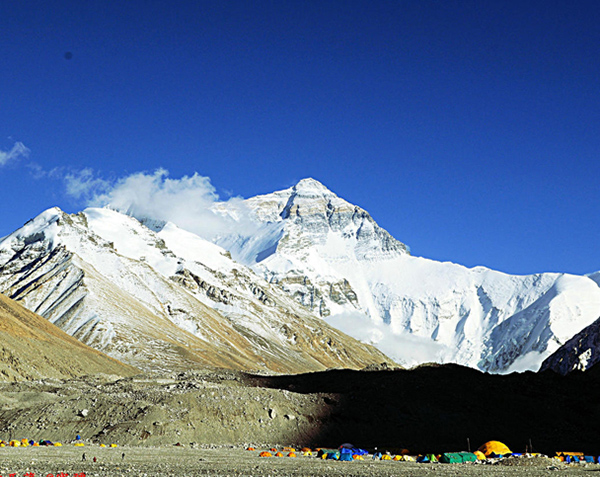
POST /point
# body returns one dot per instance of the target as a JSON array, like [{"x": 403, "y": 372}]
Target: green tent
[
  {"x": 329, "y": 454},
  {"x": 457, "y": 457}
]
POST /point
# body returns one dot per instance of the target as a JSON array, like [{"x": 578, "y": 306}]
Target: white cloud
[
  {"x": 83, "y": 184},
  {"x": 531, "y": 361},
  {"x": 406, "y": 349},
  {"x": 187, "y": 202},
  {"x": 17, "y": 152}
]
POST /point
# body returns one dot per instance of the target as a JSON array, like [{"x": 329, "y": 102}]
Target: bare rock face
[
  {"x": 162, "y": 298},
  {"x": 578, "y": 354}
]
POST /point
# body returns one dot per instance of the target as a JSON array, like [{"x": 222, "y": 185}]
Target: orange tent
[{"x": 494, "y": 447}]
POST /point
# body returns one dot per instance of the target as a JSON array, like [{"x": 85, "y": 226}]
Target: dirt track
[{"x": 183, "y": 462}]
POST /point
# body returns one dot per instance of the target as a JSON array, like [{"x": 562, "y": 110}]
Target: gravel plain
[{"x": 235, "y": 461}]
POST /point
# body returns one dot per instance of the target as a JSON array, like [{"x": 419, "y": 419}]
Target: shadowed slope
[{"x": 436, "y": 408}]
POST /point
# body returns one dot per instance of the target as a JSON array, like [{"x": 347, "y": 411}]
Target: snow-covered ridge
[{"x": 163, "y": 300}]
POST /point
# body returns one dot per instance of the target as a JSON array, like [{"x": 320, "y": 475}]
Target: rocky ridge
[{"x": 578, "y": 354}]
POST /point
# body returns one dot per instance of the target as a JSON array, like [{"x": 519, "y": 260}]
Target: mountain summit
[
  {"x": 309, "y": 186},
  {"x": 333, "y": 258}
]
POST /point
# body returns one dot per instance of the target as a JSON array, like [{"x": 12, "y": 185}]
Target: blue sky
[{"x": 468, "y": 129}]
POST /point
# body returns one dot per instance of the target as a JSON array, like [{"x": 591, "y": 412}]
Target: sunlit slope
[{"x": 33, "y": 348}]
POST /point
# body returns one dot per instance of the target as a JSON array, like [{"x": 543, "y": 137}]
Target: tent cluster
[
  {"x": 42, "y": 443},
  {"x": 28, "y": 443},
  {"x": 285, "y": 452},
  {"x": 487, "y": 453},
  {"x": 576, "y": 457},
  {"x": 348, "y": 452},
  {"x": 489, "y": 450}
]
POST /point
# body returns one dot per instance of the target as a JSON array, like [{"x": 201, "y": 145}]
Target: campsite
[{"x": 236, "y": 461}]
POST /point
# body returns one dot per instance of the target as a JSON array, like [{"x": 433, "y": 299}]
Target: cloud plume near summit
[{"x": 187, "y": 201}]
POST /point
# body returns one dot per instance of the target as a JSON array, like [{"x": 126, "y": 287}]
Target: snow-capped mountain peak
[
  {"x": 310, "y": 186},
  {"x": 332, "y": 257}
]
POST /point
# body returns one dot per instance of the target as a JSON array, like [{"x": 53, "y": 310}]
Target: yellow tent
[
  {"x": 494, "y": 447},
  {"x": 480, "y": 455}
]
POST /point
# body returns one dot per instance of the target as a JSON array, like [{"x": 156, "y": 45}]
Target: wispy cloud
[
  {"x": 188, "y": 202},
  {"x": 406, "y": 349},
  {"x": 84, "y": 184},
  {"x": 18, "y": 151}
]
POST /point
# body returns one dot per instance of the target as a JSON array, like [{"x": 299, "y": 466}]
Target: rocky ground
[
  {"x": 209, "y": 407},
  {"x": 235, "y": 461}
]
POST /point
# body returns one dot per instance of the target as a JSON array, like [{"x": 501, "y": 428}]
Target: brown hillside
[{"x": 33, "y": 348}]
